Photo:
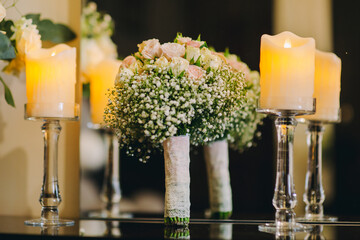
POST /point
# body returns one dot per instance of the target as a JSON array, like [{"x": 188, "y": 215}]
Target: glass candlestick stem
[
  {"x": 314, "y": 195},
  {"x": 111, "y": 191},
  {"x": 284, "y": 199},
  {"x": 50, "y": 195}
]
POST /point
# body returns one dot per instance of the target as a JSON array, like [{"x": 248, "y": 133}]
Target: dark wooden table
[{"x": 153, "y": 228}]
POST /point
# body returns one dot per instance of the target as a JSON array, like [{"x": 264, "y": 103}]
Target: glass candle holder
[
  {"x": 284, "y": 199},
  {"x": 111, "y": 190},
  {"x": 50, "y": 197},
  {"x": 314, "y": 195}
]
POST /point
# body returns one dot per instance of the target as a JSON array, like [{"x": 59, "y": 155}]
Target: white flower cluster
[
  {"x": 94, "y": 24},
  {"x": 96, "y": 44},
  {"x": 27, "y": 38},
  {"x": 159, "y": 93}
]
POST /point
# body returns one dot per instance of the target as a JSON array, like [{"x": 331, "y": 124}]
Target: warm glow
[
  {"x": 287, "y": 43},
  {"x": 50, "y": 81},
  {"x": 102, "y": 77},
  {"x": 287, "y": 72}
]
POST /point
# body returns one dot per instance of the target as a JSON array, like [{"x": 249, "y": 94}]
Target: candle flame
[
  {"x": 287, "y": 43},
  {"x": 53, "y": 54}
]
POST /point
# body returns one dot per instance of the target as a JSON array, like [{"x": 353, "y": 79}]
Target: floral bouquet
[
  {"x": 242, "y": 127},
  {"x": 168, "y": 96}
]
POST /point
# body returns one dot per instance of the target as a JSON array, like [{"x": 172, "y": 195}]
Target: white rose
[
  {"x": 171, "y": 50},
  {"x": 26, "y": 35},
  {"x": 107, "y": 46},
  {"x": 210, "y": 60},
  {"x": 178, "y": 65},
  {"x": 192, "y": 53},
  {"x": 162, "y": 62},
  {"x": 2, "y": 12}
]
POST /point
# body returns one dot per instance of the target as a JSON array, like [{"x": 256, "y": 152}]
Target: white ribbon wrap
[
  {"x": 217, "y": 164},
  {"x": 177, "y": 177}
]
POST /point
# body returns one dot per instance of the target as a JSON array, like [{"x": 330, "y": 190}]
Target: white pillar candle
[
  {"x": 102, "y": 77},
  {"x": 50, "y": 81},
  {"x": 327, "y": 87},
  {"x": 287, "y": 72}
]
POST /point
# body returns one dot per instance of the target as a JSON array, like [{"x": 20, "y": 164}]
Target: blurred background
[{"x": 238, "y": 25}]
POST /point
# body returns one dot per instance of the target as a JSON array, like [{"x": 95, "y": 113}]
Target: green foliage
[
  {"x": 8, "y": 96},
  {"x": 53, "y": 32},
  {"x": 5, "y": 26},
  {"x": 7, "y": 51},
  {"x": 221, "y": 215},
  {"x": 178, "y": 222}
]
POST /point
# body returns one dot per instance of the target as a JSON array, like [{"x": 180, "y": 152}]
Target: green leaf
[
  {"x": 204, "y": 45},
  {"x": 192, "y": 61},
  {"x": 199, "y": 38},
  {"x": 226, "y": 52},
  {"x": 181, "y": 74},
  {"x": 8, "y": 96},
  {"x": 56, "y": 33},
  {"x": 49, "y": 31},
  {"x": 178, "y": 35},
  {"x": 6, "y": 26},
  {"x": 198, "y": 63},
  {"x": 35, "y": 17},
  {"x": 7, "y": 51}
]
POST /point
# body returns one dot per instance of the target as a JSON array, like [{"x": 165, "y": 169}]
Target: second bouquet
[{"x": 168, "y": 96}]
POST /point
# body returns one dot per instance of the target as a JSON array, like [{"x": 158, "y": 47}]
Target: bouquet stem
[
  {"x": 217, "y": 164},
  {"x": 177, "y": 180}
]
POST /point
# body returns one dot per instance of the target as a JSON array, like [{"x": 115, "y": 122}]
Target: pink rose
[
  {"x": 183, "y": 40},
  {"x": 150, "y": 48},
  {"x": 196, "y": 44},
  {"x": 170, "y": 50},
  {"x": 195, "y": 72},
  {"x": 241, "y": 67},
  {"x": 128, "y": 61}
]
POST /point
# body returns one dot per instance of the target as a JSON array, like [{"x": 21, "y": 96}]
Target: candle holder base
[
  {"x": 109, "y": 215},
  {"x": 41, "y": 222},
  {"x": 284, "y": 228},
  {"x": 316, "y": 218}
]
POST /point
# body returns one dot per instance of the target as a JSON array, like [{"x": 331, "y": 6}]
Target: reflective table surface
[{"x": 153, "y": 228}]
